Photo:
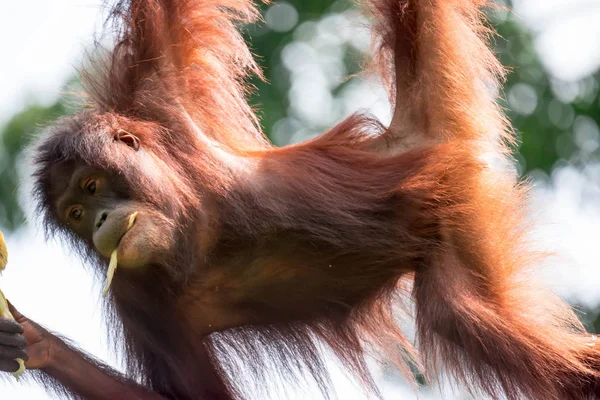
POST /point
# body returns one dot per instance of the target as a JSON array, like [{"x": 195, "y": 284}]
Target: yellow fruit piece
[
  {"x": 5, "y": 313},
  {"x": 112, "y": 266},
  {"x": 132, "y": 218},
  {"x": 17, "y": 374},
  {"x": 3, "y": 253}
]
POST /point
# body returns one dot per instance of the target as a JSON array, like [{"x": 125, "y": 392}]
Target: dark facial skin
[
  {"x": 96, "y": 207},
  {"x": 91, "y": 207}
]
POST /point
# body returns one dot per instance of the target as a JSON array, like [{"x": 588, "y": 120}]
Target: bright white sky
[{"x": 42, "y": 40}]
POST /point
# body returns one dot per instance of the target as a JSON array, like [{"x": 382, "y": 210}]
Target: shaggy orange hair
[{"x": 322, "y": 240}]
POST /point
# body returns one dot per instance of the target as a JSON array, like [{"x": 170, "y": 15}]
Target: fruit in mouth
[{"x": 112, "y": 266}]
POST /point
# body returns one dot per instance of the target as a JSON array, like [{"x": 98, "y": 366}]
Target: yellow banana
[
  {"x": 4, "y": 311},
  {"x": 3, "y": 253}
]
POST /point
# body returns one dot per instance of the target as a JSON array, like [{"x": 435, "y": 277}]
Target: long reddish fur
[{"x": 480, "y": 313}]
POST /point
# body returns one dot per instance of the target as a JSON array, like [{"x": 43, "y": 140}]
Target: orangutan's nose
[{"x": 102, "y": 215}]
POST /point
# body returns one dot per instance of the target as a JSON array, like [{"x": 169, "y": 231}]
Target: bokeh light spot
[
  {"x": 281, "y": 17},
  {"x": 523, "y": 98}
]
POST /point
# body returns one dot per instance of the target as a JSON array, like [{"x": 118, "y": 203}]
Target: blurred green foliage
[
  {"x": 15, "y": 135},
  {"x": 271, "y": 96},
  {"x": 555, "y": 120}
]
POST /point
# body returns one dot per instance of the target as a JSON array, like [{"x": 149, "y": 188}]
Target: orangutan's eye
[
  {"x": 76, "y": 213},
  {"x": 90, "y": 186}
]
